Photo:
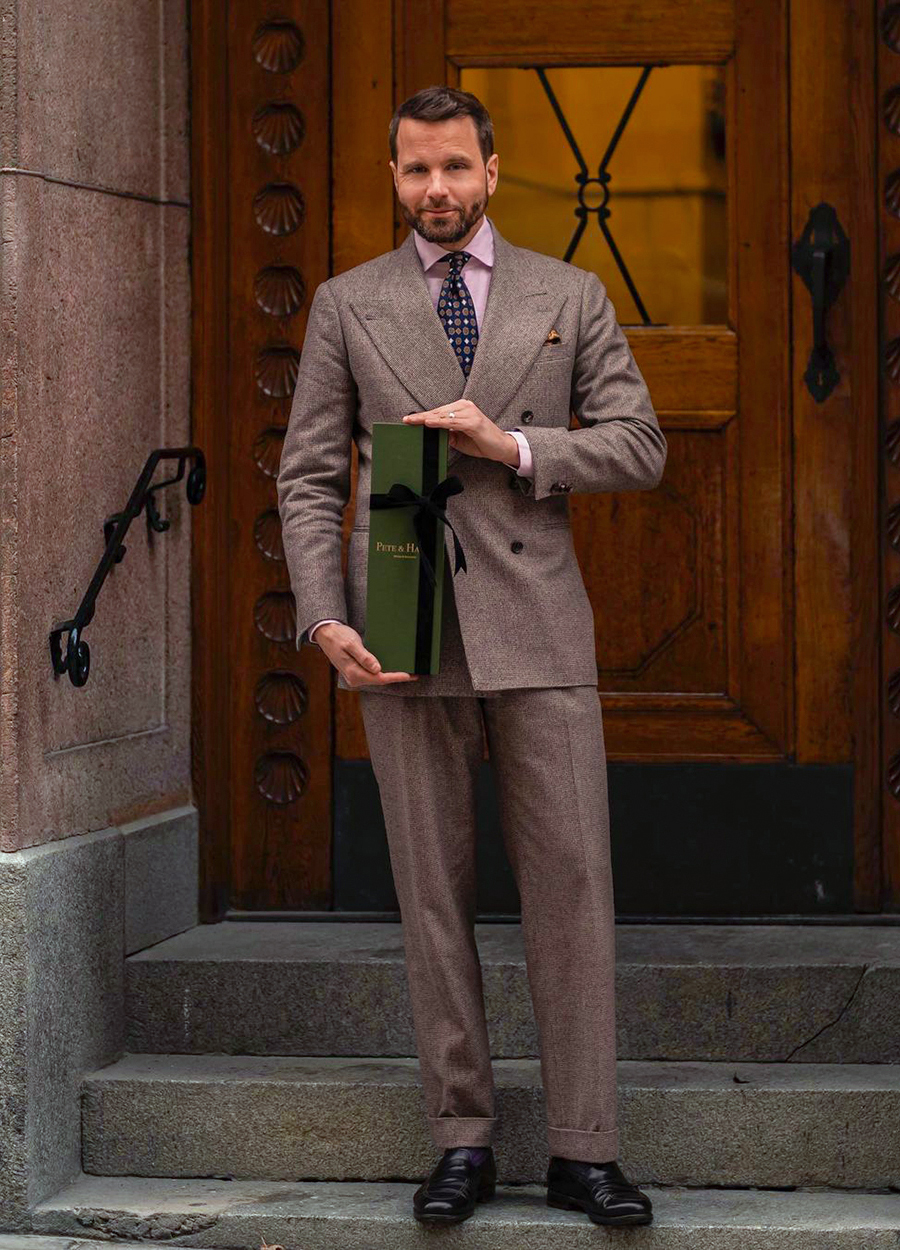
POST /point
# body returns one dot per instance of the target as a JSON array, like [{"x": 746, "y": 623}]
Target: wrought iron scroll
[
  {"x": 584, "y": 179},
  {"x": 77, "y": 659}
]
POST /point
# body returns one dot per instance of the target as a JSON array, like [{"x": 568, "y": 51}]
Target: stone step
[
  {"x": 348, "y": 1215},
  {"x": 304, "y": 1118},
  {"x": 753, "y": 993}
]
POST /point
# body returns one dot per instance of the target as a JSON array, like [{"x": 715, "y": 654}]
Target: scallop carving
[
  {"x": 279, "y": 290},
  {"x": 893, "y": 609},
  {"x": 893, "y": 775},
  {"x": 890, "y": 27},
  {"x": 281, "y": 776},
  {"x": 278, "y": 45},
  {"x": 275, "y": 614},
  {"x": 892, "y": 359},
  {"x": 893, "y": 526},
  {"x": 278, "y": 127},
  {"x": 892, "y": 192},
  {"x": 892, "y": 443},
  {"x": 267, "y": 449},
  {"x": 890, "y": 110},
  {"x": 276, "y": 370},
  {"x": 281, "y": 696},
  {"x": 267, "y": 533},
  {"x": 279, "y": 208},
  {"x": 894, "y": 692},
  {"x": 892, "y": 276}
]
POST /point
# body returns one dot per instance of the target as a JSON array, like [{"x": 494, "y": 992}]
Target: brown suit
[
  {"x": 376, "y": 350},
  {"x": 518, "y": 664}
]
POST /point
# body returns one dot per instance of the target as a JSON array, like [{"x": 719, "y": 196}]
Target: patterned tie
[{"x": 457, "y": 312}]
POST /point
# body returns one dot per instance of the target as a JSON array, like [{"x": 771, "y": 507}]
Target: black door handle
[{"x": 821, "y": 256}]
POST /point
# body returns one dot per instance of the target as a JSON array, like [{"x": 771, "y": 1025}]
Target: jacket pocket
[{"x": 553, "y": 354}]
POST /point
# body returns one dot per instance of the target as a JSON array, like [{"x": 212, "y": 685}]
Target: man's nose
[{"x": 436, "y": 188}]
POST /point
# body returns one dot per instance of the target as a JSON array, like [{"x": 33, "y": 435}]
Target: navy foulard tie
[{"x": 457, "y": 312}]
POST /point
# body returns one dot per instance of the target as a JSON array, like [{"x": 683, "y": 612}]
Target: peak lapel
[
  {"x": 406, "y": 330},
  {"x": 519, "y": 314}
]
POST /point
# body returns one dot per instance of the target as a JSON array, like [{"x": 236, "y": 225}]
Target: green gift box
[{"x": 405, "y": 570}]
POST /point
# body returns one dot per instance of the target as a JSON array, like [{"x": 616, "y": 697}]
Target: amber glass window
[{"x": 621, "y": 170}]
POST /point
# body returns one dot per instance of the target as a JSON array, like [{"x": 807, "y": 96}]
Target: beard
[{"x": 450, "y": 229}]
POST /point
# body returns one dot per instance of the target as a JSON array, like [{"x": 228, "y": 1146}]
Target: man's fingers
[
  {"x": 358, "y": 676},
  {"x": 358, "y": 665},
  {"x": 365, "y": 659}
]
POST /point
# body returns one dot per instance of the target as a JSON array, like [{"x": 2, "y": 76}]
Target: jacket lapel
[
  {"x": 405, "y": 328},
  {"x": 519, "y": 315},
  {"x": 408, "y": 333}
]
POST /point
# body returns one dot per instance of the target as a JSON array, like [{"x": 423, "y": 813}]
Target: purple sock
[{"x": 477, "y": 1154}]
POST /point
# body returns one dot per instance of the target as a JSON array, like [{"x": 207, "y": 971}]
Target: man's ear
[
  {"x": 393, "y": 168},
  {"x": 492, "y": 166}
]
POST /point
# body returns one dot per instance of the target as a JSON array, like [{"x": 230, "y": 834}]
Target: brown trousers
[{"x": 548, "y": 758}]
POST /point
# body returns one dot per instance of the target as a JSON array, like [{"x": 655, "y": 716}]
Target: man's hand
[
  {"x": 359, "y": 667},
  {"x": 471, "y": 431}
]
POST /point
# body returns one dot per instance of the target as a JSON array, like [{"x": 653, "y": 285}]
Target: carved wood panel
[
  {"x": 278, "y": 191},
  {"x": 690, "y": 587}
]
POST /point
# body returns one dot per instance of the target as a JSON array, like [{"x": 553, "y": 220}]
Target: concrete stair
[
  {"x": 354, "y": 1215},
  {"x": 280, "y": 1118},
  {"x": 271, "y": 1093},
  {"x": 753, "y": 993}
]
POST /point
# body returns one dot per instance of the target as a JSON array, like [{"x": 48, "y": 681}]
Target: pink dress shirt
[{"x": 477, "y": 273}]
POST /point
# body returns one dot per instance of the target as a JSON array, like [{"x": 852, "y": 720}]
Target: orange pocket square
[{"x": 553, "y": 337}]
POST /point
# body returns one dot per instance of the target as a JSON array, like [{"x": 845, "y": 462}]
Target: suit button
[
  {"x": 516, "y": 546},
  {"x": 527, "y": 416}
]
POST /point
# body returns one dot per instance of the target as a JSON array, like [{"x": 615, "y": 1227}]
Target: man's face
[{"x": 443, "y": 184}]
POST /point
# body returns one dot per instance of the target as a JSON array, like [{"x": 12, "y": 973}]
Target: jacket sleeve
[
  {"x": 619, "y": 445},
  {"x": 313, "y": 481}
]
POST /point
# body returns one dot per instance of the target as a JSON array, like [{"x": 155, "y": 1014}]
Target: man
[{"x": 458, "y": 329}]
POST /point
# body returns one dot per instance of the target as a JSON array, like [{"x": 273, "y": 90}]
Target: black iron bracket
[
  {"x": 821, "y": 256},
  {"x": 77, "y": 659}
]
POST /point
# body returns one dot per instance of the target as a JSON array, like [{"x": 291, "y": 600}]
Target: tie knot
[{"x": 457, "y": 260}]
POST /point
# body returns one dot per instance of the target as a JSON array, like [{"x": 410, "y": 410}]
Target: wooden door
[{"x": 658, "y": 144}]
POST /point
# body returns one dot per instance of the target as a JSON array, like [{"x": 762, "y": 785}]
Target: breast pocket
[{"x": 554, "y": 355}]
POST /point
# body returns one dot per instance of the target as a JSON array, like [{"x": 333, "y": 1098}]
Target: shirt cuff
[
  {"x": 326, "y": 620},
  {"x": 526, "y": 462}
]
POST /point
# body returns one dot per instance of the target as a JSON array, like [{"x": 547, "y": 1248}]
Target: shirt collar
[{"x": 481, "y": 246}]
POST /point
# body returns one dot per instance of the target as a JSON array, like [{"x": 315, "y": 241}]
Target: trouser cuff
[
  {"x": 458, "y": 1130},
  {"x": 573, "y": 1143}
]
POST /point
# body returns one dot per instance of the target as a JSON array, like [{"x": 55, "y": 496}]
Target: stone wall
[
  {"x": 98, "y": 837},
  {"x": 95, "y": 374}
]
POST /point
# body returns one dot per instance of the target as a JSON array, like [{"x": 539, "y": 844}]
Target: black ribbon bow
[{"x": 430, "y": 509}]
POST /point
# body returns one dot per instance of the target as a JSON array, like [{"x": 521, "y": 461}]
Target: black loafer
[
  {"x": 454, "y": 1186},
  {"x": 600, "y": 1189}
]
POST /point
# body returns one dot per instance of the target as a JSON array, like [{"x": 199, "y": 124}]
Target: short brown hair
[{"x": 438, "y": 104}]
